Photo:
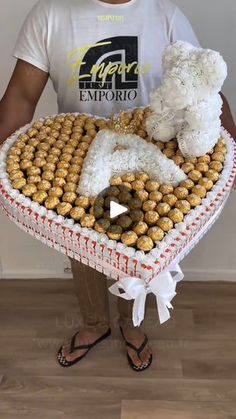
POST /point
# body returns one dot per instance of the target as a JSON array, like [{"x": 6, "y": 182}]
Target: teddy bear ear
[
  {"x": 214, "y": 69},
  {"x": 176, "y": 52}
]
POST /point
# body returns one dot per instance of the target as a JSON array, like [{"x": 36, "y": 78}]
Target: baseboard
[
  {"x": 223, "y": 275},
  {"x": 34, "y": 274},
  {"x": 190, "y": 275}
]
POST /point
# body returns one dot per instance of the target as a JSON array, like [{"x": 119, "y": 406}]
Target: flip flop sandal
[
  {"x": 63, "y": 361},
  {"x": 138, "y": 352}
]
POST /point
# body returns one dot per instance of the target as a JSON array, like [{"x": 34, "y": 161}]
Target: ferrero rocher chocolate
[
  {"x": 114, "y": 232},
  {"x": 183, "y": 205},
  {"x": 181, "y": 192},
  {"x": 152, "y": 186},
  {"x": 125, "y": 222},
  {"x": 176, "y": 215},
  {"x": 29, "y": 190},
  {"x": 64, "y": 208},
  {"x": 77, "y": 213},
  {"x": 195, "y": 175},
  {"x": 129, "y": 238},
  {"x": 140, "y": 228},
  {"x": 51, "y": 202},
  {"x": 166, "y": 189},
  {"x": 151, "y": 217},
  {"x": 199, "y": 190},
  {"x": 149, "y": 205},
  {"x": 165, "y": 223},
  {"x": 212, "y": 175},
  {"x": 145, "y": 243},
  {"x": 194, "y": 200},
  {"x": 206, "y": 183},
  {"x": 155, "y": 233},
  {"x": 40, "y": 196},
  {"x": 102, "y": 225}
]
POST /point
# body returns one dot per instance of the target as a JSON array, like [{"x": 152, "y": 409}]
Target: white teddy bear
[{"x": 187, "y": 105}]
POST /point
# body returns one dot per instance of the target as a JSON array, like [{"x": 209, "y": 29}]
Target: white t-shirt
[{"x": 101, "y": 57}]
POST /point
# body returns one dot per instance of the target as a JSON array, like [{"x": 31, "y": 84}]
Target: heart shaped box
[{"x": 108, "y": 256}]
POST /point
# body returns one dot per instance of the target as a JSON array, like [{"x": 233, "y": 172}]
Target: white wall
[{"x": 214, "y": 257}]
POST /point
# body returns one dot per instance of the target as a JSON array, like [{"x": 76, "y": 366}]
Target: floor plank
[{"x": 193, "y": 374}]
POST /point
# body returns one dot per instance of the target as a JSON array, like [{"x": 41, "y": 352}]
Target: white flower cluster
[
  {"x": 103, "y": 161},
  {"x": 187, "y": 105}
]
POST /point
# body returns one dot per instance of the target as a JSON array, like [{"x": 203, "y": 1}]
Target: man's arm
[
  {"x": 227, "y": 118},
  {"x": 21, "y": 97}
]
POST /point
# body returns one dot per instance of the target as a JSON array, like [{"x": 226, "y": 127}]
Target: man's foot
[
  {"x": 136, "y": 337},
  {"x": 84, "y": 337}
]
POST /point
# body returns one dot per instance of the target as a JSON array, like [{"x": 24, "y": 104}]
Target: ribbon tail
[{"x": 139, "y": 309}]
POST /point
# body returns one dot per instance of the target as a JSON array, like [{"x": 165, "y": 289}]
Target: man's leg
[
  {"x": 132, "y": 334},
  {"x": 92, "y": 293}
]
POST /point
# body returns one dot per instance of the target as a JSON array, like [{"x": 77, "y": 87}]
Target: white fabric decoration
[
  {"x": 102, "y": 162},
  {"x": 163, "y": 287},
  {"x": 187, "y": 105}
]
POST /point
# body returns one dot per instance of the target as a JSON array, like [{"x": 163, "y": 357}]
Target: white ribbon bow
[{"x": 163, "y": 287}]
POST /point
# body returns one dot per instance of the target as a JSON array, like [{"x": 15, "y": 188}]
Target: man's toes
[
  {"x": 145, "y": 355},
  {"x": 135, "y": 358}
]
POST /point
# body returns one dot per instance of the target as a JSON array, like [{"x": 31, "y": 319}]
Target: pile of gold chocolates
[{"x": 46, "y": 161}]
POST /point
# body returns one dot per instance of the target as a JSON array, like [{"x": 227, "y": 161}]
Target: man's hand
[{"x": 21, "y": 97}]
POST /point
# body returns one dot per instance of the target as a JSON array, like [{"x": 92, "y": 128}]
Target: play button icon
[{"x": 117, "y": 209}]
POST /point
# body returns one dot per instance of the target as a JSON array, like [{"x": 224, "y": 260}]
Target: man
[{"x": 102, "y": 56}]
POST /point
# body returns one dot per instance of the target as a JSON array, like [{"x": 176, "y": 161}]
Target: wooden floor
[{"x": 193, "y": 374}]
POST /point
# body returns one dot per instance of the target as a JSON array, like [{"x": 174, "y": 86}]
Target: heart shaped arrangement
[
  {"x": 41, "y": 168},
  {"x": 170, "y": 165}
]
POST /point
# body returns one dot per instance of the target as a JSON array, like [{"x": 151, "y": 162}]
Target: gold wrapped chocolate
[
  {"x": 199, "y": 190},
  {"x": 140, "y": 228},
  {"x": 170, "y": 199},
  {"x": 125, "y": 222},
  {"x": 18, "y": 183},
  {"x": 70, "y": 187},
  {"x": 176, "y": 215},
  {"x": 143, "y": 176},
  {"x": 206, "y": 183},
  {"x": 212, "y": 175},
  {"x": 166, "y": 189},
  {"x": 16, "y": 174},
  {"x": 129, "y": 238},
  {"x": 59, "y": 181},
  {"x": 102, "y": 225},
  {"x": 152, "y": 186},
  {"x": 69, "y": 197},
  {"x": 163, "y": 208},
  {"x": 33, "y": 180},
  {"x": 138, "y": 185},
  {"x": 29, "y": 190},
  {"x": 145, "y": 243},
  {"x": 87, "y": 220},
  {"x": 149, "y": 205},
  {"x": 64, "y": 208},
  {"x": 165, "y": 223},
  {"x": 181, "y": 192},
  {"x": 48, "y": 175},
  {"x": 39, "y": 196},
  {"x": 56, "y": 192},
  {"x": 82, "y": 201},
  {"x": 142, "y": 195},
  {"x": 195, "y": 175},
  {"x": 51, "y": 202},
  {"x": 151, "y": 217},
  {"x": 183, "y": 205},
  {"x": 194, "y": 200},
  {"x": 155, "y": 233}
]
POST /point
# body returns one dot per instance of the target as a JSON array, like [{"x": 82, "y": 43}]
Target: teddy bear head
[{"x": 190, "y": 75}]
